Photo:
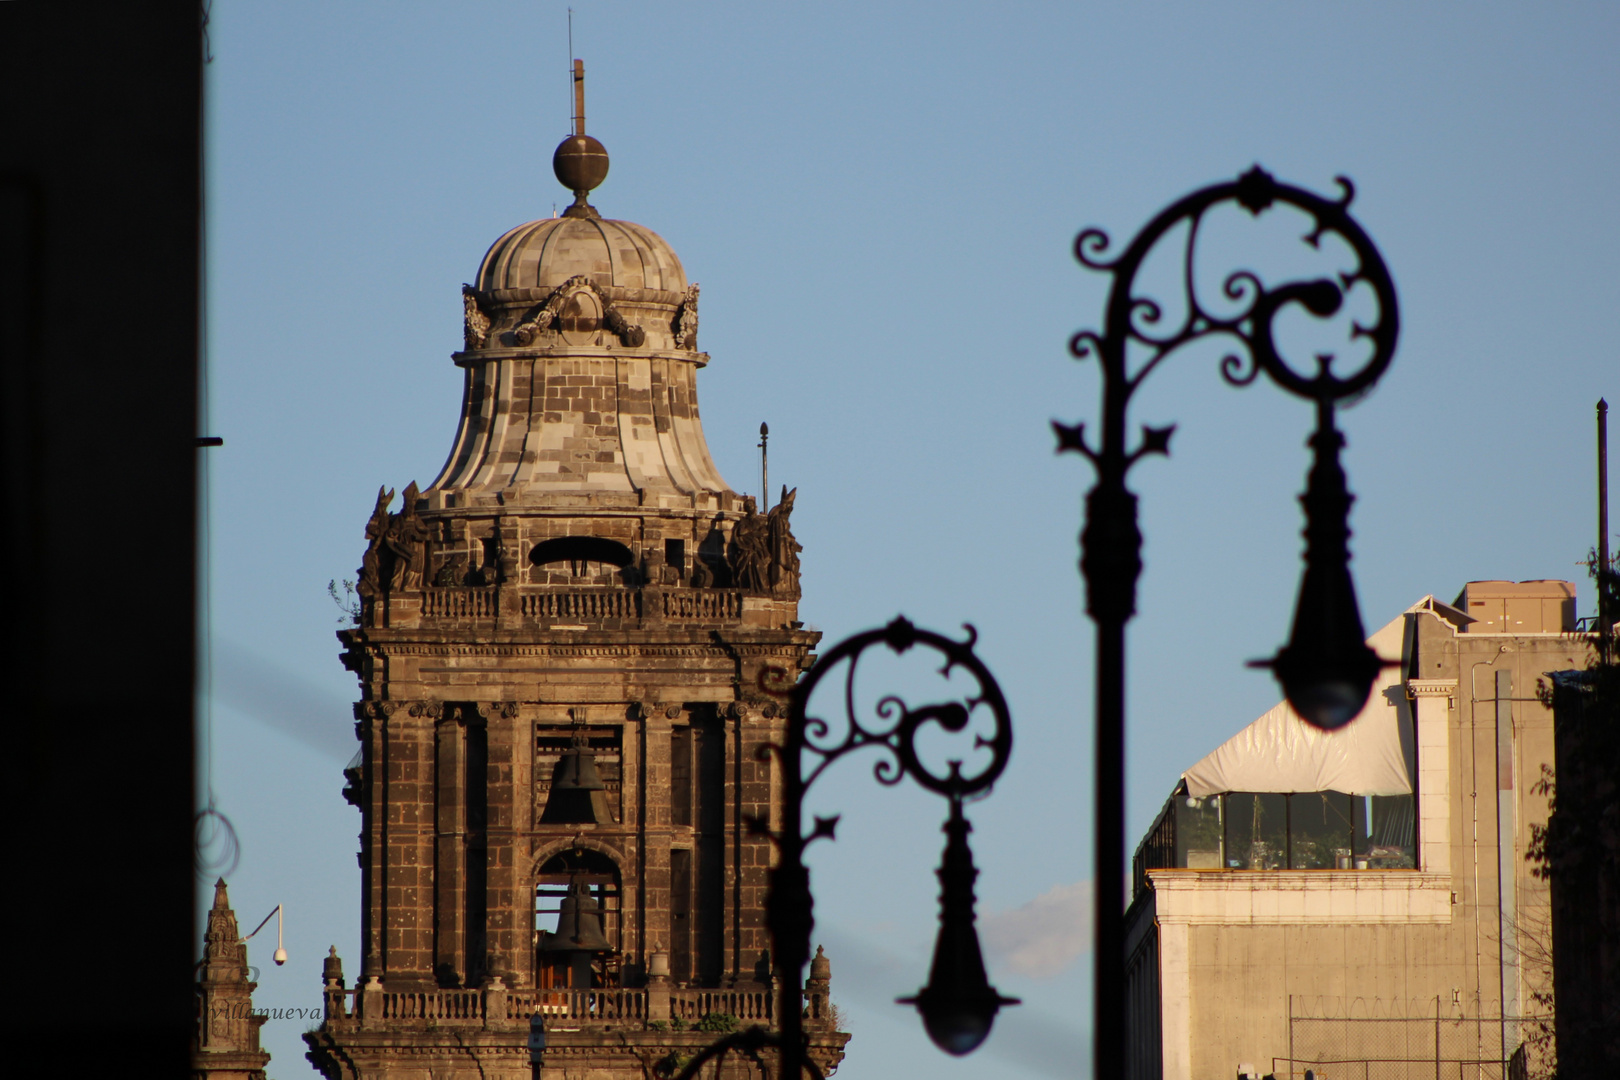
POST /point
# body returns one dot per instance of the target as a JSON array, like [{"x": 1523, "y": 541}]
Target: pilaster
[
  {"x": 450, "y": 848},
  {"x": 1434, "y": 698}
]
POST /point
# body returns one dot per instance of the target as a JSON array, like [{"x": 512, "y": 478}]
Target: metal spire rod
[
  {"x": 764, "y": 470},
  {"x": 1604, "y": 613},
  {"x": 579, "y": 97}
]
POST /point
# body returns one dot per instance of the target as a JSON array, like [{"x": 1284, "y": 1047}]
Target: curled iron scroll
[
  {"x": 1255, "y": 305},
  {"x": 897, "y": 725}
]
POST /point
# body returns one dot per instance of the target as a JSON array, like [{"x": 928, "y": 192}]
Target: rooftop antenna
[
  {"x": 764, "y": 472},
  {"x": 1605, "y": 605},
  {"x": 579, "y": 97}
]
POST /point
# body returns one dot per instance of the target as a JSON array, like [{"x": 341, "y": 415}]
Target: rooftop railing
[
  {"x": 497, "y": 1006},
  {"x": 594, "y": 606}
]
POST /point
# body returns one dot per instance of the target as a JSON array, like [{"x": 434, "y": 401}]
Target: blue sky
[{"x": 879, "y": 202}]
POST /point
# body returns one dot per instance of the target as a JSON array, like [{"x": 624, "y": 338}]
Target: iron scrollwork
[
  {"x": 898, "y": 725},
  {"x": 1254, "y": 305}
]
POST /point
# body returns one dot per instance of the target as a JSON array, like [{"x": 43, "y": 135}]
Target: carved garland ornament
[{"x": 630, "y": 335}]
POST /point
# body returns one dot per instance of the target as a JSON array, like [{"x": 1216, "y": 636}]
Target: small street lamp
[
  {"x": 1326, "y": 669},
  {"x": 280, "y": 955},
  {"x": 958, "y": 1005}
]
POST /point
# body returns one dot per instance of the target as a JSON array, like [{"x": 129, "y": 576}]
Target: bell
[
  {"x": 578, "y": 796},
  {"x": 579, "y": 933},
  {"x": 579, "y": 922},
  {"x": 958, "y": 1005}
]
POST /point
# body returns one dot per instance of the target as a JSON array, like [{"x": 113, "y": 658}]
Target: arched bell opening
[
  {"x": 577, "y": 921},
  {"x": 581, "y": 560}
]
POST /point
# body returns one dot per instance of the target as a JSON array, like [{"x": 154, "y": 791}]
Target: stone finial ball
[{"x": 581, "y": 163}]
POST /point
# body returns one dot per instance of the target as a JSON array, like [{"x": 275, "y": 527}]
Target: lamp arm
[
  {"x": 273, "y": 914},
  {"x": 280, "y": 955}
]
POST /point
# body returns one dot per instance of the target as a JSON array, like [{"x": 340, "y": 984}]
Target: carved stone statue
[
  {"x": 406, "y": 542},
  {"x": 750, "y": 555},
  {"x": 370, "y": 583},
  {"x": 784, "y": 549},
  {"x": 396, "y": 556}
]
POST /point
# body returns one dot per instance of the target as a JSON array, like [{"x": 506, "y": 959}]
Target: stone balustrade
[
  {"x": 592, "y": 606},
  {"x": 498, "y": 1006}
]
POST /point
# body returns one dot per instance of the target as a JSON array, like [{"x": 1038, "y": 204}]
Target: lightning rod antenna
[{"x": 764, "y": 471}]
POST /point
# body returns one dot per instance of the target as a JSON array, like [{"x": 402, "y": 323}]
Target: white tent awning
[{"x": 1372, "y": 755}]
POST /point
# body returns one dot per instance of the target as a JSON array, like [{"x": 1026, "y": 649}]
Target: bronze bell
[
  {"x": 579, "y": 922},
  {"x": 578, "y": 796},
  {"x": 579, "y": 933}
]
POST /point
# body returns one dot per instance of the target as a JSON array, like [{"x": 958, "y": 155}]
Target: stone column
[
  {"x": 450, "y": 846},
  {"x": 1433, "y": 698},
  {"x": 756, "y": 798},
  {"x": 374, "y": 840},
  {"x": 509, "y": 916},
  {"x": 653, "y": 840},
  {"x": 408, "y": 905},
  {"x": 736, "y": 720}
]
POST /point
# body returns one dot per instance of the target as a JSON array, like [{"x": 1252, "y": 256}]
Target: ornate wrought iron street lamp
[
  {"x": 1326, "y": 669},
  {"x": 958, "y": 1005}
]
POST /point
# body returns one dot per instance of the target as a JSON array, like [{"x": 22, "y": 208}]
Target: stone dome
[{"x": 613, "y": 254}]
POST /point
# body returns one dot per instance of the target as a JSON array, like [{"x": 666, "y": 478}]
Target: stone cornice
[
  {"x": 1299, "y": 897},
  {"x": 786, "y": 643},
  {"x": 1431, "y": 687},
  {"x": 471, "y": 357}
]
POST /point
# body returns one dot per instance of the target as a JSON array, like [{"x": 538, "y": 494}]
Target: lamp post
[
  {"x": 1326, "y": 669},
  {"x": 958, "y": 1005},
  {"x": 280, "y": 956}
]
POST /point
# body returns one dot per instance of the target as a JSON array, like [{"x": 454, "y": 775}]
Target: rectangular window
[
  {"x": 1256, "y": 831},
  {"x": 1198, "y": 833},
  {"x": 1320, "y": 831},
  {"x": 1384, "y": 833},
  {"x": 675, "y": 555}
]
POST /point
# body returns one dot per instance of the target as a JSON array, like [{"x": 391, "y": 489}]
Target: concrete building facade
[
  {"x": 1382, "y": 921},
  {"x": 573, "y": 647}
]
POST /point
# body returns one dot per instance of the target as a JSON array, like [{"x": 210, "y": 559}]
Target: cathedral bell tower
[{"x": 572, "y": 645}]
